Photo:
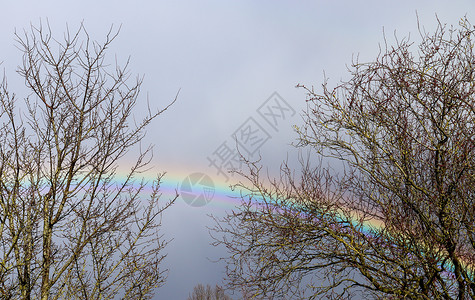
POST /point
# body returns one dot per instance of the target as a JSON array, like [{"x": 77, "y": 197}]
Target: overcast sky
[{"x": 227, "y": 58}]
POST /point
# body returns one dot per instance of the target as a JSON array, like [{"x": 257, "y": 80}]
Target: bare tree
[
  {"x": 69, "y": 226},
  {"x": 200, "y": 292},
  {"x": 398, "y": 219}
]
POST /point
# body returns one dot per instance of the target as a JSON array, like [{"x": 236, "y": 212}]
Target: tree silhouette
[
  {"x": 69, "y": 226},
  {"x": 399, "y": 221}
]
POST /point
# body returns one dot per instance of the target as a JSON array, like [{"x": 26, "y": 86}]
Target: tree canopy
[
  {"x": 70, "y": 227},
  {"x": 399, "y": 220}
]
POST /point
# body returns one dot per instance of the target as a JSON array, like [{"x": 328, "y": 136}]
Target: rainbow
[{"x": 225, "y": 199}]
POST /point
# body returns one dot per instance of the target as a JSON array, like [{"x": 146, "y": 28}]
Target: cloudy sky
[{"x": 227, "y": 59}]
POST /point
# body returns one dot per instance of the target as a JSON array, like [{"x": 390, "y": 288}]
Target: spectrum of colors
[{"x": 227, "y": 199}]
